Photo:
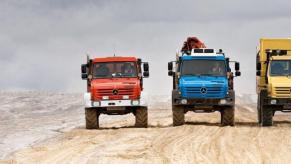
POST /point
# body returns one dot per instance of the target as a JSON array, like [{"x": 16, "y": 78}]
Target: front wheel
[
  {"x": 259, "y": 107},
  {"x": 227, "y": 116},
  {"x": 141, "y": 117},
  {"x": 178, "y": 115},
  {"x": 92, "y": 118},
  {"x": 267, "y": 116}
]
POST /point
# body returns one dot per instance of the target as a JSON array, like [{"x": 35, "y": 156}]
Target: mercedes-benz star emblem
[
  {"x": 203, "y": 90},
  {"x": 115, "y": 92}
]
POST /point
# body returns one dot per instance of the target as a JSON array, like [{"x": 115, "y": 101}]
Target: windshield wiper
[
  {"x": 116, "y": 75},
  {"x": 206, "y": 74},
  {"x": 188, "y": 74},
  {"x": 280, "y": 75}
]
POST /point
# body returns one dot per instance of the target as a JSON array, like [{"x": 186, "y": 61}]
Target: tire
[
  {"x": 267, "y": 116},
  {"x": 259, "y": 110},
  {"x": 227, "y": 116},
  {"x": 141, "y": 117},
  {"x": 232, "y": 95},
  {"x": 178, "y": 115},
  {"x": 92, "y": 118},
  {"x": 266, "y": 112}
]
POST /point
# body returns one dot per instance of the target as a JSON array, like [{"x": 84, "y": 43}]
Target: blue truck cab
[{"x": 202, "y": 82}]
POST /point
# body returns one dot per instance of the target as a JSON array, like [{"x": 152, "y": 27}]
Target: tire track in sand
[{"x": 201, "y": 140}]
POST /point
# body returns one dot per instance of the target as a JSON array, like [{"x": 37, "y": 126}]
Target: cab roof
[
  {"x": 203, "y": 54},
  {"x": 114, "y": 59},
  {"x": 203, "y": 57}
]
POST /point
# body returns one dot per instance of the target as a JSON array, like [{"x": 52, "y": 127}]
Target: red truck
[{"x": 114, "y": 87}]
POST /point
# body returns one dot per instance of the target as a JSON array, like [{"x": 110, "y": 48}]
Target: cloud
[{"x": 43, "y": 43}]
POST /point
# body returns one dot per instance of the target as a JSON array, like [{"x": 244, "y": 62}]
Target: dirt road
[{"x": 201, "y": 140}]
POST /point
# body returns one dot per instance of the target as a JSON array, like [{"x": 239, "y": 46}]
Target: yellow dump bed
[{"x": 273, "y": 44}]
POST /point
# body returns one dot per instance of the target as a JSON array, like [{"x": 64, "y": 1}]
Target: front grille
[
  {"x": 109, "y": 92},
  {"x": 211, "y": 92},
  {"x": 283, "y": 91}
]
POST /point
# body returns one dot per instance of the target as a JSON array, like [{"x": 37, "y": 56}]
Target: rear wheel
[
  {"x": 141, "y": 117},
  {"x": 267, "y": 116},
  {"x": 227, "y": 116},
  {"x": 92, "y": 118},
  {"x": 178, "y": 115}
]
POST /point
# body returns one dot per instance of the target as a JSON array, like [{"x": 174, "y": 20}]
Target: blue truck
[{"x": 202, "y": 82}]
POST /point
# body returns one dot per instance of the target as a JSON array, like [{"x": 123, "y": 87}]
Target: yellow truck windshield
[{"x": 280, "y": 68}]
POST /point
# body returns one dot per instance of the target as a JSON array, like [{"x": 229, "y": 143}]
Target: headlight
[
  {"x": 222, "y": 101},
  {"x": 96, "y": 103},
  {"x": 135, "y": 102},
  {"x": 183, "y": 101},
  {"x": 273, "y": 102},
  {"x": 125, "y": 97},
  {"x": 105, "y": 97}
]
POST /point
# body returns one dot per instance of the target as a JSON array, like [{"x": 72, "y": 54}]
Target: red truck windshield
[{"x": 114, "y": 69}]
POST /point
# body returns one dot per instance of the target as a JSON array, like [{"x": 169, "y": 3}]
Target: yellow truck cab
[{"x": 273, "y": 79}]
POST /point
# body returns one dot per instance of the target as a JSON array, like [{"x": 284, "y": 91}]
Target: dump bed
[{"x": 273, "y": 44}]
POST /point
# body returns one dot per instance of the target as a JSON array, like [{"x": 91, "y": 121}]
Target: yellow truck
[{"x": 273, "y": 78}]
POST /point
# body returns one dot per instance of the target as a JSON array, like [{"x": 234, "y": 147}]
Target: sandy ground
[
  {"x": 27, "y": 118},
  {"x": 201, "y": 140}
]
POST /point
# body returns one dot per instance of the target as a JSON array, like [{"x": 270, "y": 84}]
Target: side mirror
[
  {"x": 84, "y": 76},
  {"x": 259, "y": 66},
  {"x": 139, "y": 61},
  {"x": 236, "y": 66},
  {"x": 84, "y": 68},
  {"x": 170, "y": 66},
  {"x": 170, "y": 73},
  {"x": 258, "y": 73},
  {"x": 237, "y": 73},
  {"x": 146, "y": 74},
  {"x": 146, "y": 67}
]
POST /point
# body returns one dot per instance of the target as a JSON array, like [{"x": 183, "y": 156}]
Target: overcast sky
[{"x": 43, "y": 43}]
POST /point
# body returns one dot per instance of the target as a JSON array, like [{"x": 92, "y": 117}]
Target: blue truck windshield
[
  {"x": 203, "y": 68},
  {"x": 280, "y": 68},
  {"x": 114, "y": 69}
]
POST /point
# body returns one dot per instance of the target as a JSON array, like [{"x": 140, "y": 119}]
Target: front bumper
[
  {"x": 178, "y": 100},
  {"x": 109, "y": 103},
  {"x": 115, "y": 103},
  {"x": 204, "y": 102},
  {"x": 277, "y": 101}
]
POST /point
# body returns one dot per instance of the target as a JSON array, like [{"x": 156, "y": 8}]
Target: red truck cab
[{"x": 114, "y": 86}]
